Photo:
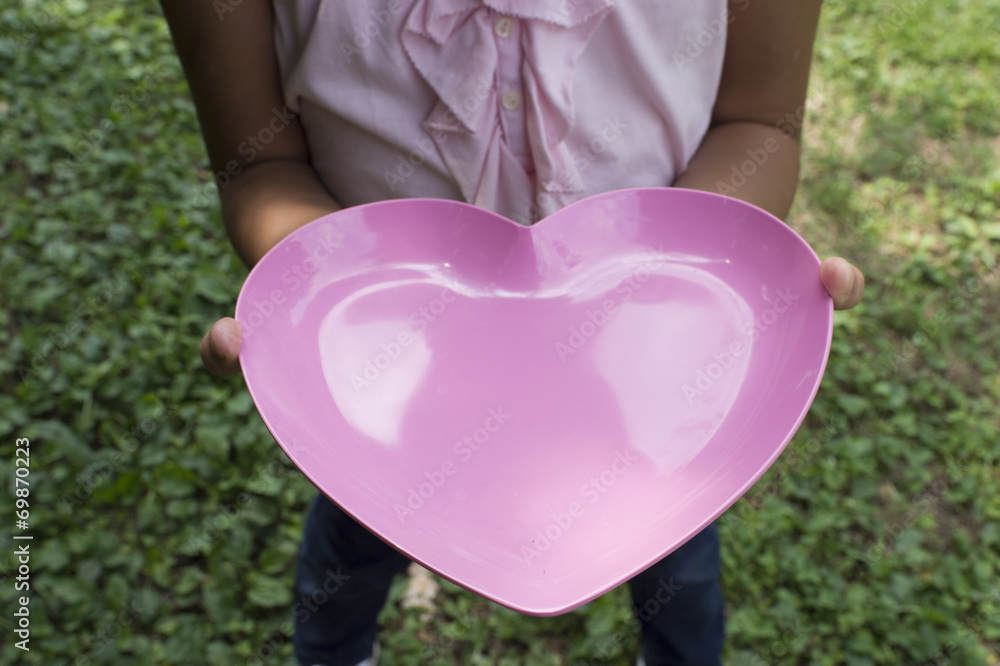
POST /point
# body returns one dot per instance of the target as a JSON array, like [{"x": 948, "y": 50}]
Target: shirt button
[
  {"x": 511, "y": 100},
  {"x": 503, "y": 27}
]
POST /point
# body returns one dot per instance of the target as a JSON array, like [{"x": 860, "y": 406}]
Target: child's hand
[
  {"x": 220, "y": 347},
  {"x": 844, "y": 282}
]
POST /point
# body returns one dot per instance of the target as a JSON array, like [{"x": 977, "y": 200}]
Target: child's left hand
[{"x": 844, "y": 281}]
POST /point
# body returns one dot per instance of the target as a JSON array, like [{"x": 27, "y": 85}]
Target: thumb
[
  {"x": 220, "y": 347},
  {"x": 844, "y": 281}
]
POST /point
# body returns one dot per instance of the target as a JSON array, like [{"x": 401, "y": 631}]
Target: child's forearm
[
  {"x": 746, "y": 160},
  {"x": 232, "y": 68},
  {"x": 270, "y": 200}
]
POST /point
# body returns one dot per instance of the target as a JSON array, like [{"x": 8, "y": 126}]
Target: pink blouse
[{"x": 518, "y": 106}]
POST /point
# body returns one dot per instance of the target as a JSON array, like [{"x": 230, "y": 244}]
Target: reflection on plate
[{"x": 537, "y": 413}]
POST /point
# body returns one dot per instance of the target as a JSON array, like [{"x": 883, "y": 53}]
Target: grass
[{"x": 166, "y": 520}]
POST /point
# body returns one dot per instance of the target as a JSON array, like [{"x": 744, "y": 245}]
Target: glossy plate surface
[{"x": 537, "y": 413}]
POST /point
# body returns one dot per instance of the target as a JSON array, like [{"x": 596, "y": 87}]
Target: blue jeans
[{"x": 344, "y": 574}]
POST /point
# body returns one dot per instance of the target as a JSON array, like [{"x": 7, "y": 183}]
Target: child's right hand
[{"x": 220, "y": 347}]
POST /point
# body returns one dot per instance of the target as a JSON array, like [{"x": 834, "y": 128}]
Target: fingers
[
  {"x": 220, "y": 347},
  {"x": 844, "y": 281}
]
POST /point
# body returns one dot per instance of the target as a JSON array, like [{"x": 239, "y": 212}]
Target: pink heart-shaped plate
[{"x": 537, "y": 413}]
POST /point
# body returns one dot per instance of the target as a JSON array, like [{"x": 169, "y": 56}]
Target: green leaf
[{"x": 269, "y": 592}]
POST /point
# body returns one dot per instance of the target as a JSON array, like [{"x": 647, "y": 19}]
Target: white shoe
[{"x": 372, "y": 660}]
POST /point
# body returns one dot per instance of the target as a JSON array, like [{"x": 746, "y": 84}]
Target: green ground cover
[{"x": 166, "y": 520}]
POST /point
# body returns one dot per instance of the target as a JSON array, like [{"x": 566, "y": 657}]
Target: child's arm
[
  {"x": 759, "y": 109},
  {"x": 232, "y": 70}
]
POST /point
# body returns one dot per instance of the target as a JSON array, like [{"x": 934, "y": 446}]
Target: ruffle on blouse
[{"x": 452, "y": 46}]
